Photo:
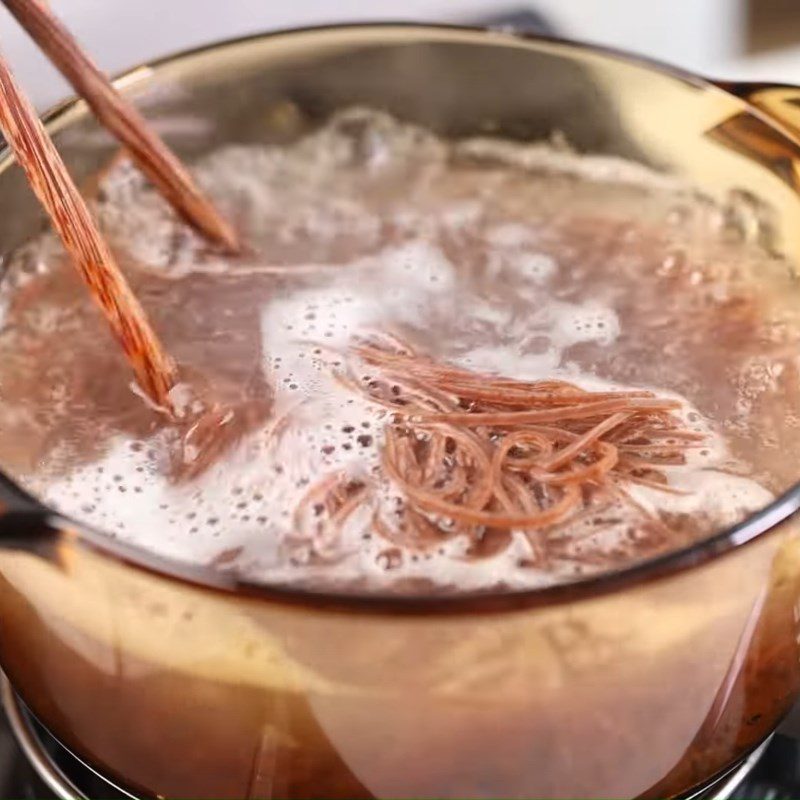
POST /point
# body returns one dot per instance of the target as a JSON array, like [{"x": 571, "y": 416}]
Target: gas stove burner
[{"x": 56, "y": 772}]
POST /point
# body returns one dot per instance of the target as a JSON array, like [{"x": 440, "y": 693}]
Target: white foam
[
  {"x": 537, "y": 267},
  {"x": 542, "y": 157},
  {"x": 721, "y": 496},
  {"x": 574, "y": 323},
  {"x": 510, "y": 235}
]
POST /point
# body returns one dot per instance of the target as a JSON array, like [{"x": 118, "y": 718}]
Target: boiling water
[{"x": 525, "y": 261}]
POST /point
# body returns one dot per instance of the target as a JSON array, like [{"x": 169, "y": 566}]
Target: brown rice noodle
[{"x": 466, "y": 453}]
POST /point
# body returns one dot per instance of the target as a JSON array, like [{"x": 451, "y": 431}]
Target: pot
[{"x": 648, "y": 682}]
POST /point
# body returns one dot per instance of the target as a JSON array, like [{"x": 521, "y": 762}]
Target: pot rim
[{"x": 66, "y": 531}]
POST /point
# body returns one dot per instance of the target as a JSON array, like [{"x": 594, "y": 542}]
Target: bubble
[
  {"x": 390, "y": 559},
  {"x": 537, "y": 267},
  {"x": 589, "y": 322}
]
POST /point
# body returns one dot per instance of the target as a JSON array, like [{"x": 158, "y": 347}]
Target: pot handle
[
  {"x": 778, "y": 104},
  {"x": 25, "y": 524}
]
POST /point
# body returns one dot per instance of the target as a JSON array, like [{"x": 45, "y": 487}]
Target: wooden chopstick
[
  {"x": 120, "y": 117},
  {"x": 70, "y": 215}
]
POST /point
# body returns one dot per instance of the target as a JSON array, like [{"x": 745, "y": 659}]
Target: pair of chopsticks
[{"x": 69, "y": 213}]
